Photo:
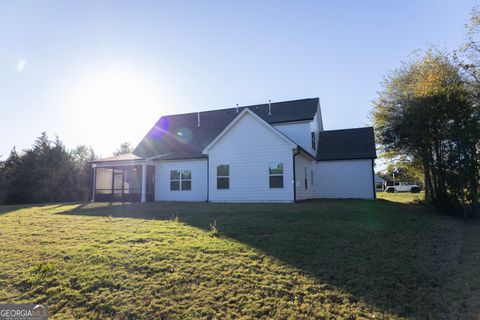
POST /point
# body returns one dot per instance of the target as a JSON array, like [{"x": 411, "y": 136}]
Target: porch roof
[
  {"x": 128, "y": 159},
  {"x": 122, "y": 157}
]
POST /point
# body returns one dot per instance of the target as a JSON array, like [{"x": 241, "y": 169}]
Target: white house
[
  {"x": 275, "y": 152},
  {"x": 379, "y": 183}
]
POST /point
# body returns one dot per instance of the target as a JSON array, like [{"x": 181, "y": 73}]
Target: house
[
  {"x": 379, "y": 183},
  {"x": 275, "y": 152}
]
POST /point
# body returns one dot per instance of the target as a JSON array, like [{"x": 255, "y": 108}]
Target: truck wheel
[{"x": 390, "y": 190}]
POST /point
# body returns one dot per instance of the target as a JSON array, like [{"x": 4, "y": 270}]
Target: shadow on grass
[
  {"x": 4, "y": 209},
  {"x": 379, "y": 251}
]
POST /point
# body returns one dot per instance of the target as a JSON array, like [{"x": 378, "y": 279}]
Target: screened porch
[{"x": 129, "y": 183}]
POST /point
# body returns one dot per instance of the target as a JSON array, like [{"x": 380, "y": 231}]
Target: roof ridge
[
  {"x": 159, "y": 139},
  {"x": 356, "y": 128},
  {"x": 240, "y": 107}
]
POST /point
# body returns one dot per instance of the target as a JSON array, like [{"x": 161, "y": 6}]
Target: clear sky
[{"x": 102, "y": 72}]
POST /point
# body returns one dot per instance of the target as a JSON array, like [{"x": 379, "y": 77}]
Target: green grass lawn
[
  {"x": 329, "y": 259},
  {"x": 403, "y": 197}
]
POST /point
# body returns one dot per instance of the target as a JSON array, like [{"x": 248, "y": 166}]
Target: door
[{"x": 117, "y": 184}]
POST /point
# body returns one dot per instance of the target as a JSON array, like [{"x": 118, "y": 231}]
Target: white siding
[
  {"x": 248, "y": 148},
  {"x": 199, "y": 180},
  {"x": 317, "y": 120},
  {"x": 298, "y": 132},
  {"x": 344, "y": 179},
  {"x": 316, "y": 126},
  {"x": 303, "y": 162}
]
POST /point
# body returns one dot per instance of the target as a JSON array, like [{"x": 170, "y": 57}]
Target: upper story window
[
  {"x": 313, "y": 140},
  {"x": 223, "y": 176},
  {"x": 180, "y": 180},
  {"x": 275, "y": 172}
]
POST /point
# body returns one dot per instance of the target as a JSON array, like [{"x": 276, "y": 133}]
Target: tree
[
  {"x": 471, "y": 50},
  {"x": 425, "y": 112},
  {"x": 81, "y": 157},
  {"x": 124, "y": 148},
  {"x": 47, "y": 172}
]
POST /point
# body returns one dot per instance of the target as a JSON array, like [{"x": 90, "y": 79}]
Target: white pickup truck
[{"x": 399, "y": 186}]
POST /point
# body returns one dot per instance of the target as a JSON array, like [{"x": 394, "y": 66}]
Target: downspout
[
  {"x": 373, "y": 180},
  {"x": 94, "y": 182},
  {"x": 296, "y": 153},
  {"x": 208, "y": 178}
]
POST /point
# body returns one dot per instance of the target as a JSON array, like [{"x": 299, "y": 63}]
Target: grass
[
  {"x": 326, "y": 259},
  {"x": 403, "y": 197}
]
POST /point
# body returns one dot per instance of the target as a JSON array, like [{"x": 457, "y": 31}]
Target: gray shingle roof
[
  {"x": 179, "y": 137},
  {"x": 358, "y": 143}
]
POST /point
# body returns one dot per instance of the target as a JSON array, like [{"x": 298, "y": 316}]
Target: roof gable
[
  {"x": 179, "y": 136},
  {"x": 247, "y": 112}
]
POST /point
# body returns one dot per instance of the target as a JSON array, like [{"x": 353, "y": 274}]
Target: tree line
[
  {"x": 49, "y": 172},
  {"x": 427, "y": 118}
]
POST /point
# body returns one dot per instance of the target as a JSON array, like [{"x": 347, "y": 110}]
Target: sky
[{"x": 99, "y": 73}]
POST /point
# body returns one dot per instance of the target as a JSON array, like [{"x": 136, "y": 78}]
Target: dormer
[{"x": 304, "y": 132}]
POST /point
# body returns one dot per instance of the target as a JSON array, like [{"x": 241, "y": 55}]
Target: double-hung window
[
  {"x": 313, "y": 140},
  {"x": 223, "y": 176},
  {"x": 275, "y": 172},
  {"x": 180, "y": 180}
]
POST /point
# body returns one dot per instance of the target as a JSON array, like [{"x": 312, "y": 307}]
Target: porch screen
[
  {"x": 132, "y": 180},
  {"x": 120, "y": 180},
  {"x": 103, "y": 181}
]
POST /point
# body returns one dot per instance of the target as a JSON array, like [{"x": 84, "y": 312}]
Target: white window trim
[
  {"x": 276, "y": 175},
  {"x": 228, "y": 177},
  {"x": 180, "y": 180}
]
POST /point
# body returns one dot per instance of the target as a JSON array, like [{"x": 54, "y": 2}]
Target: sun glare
[
  {"x": 112, "y": 106},
  {"x": 21, "y": 64}
]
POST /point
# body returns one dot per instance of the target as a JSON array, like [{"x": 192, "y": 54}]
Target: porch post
[
  {"x": 144, "y": 183},
  {"x": 94, "y": 182}
]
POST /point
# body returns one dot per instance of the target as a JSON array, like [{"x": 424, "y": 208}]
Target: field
[{"x": 325, "y": 259}]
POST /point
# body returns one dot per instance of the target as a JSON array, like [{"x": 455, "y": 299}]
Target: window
[
  {"x": 276, "y": 174},
  {"x": 223, "y": 176},
  {"x": 186, "y": 180},
  {"x": 313, "y": 140},
  {"x": 306, "y": 180},
  {"x": 180, "y": 180},
  {"x": 174, "y": 180}
]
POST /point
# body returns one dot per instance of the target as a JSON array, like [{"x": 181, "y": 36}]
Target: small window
[
  {"x": 180, "y": 180},
  {"x": 306, "y": 180},
  {"x": 223, "y": 176},
  {"x": 276, "y": 174},
  {"x": 313, "y": 140}
]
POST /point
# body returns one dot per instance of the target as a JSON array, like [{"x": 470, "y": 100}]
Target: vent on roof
[
  {"x": 269, "y": 107},
  {"x": 237, "y": 107},
  {"x": 198, "y": 119}
]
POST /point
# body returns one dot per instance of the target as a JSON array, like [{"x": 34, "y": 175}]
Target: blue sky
[{"x": 102, "y": 72}]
